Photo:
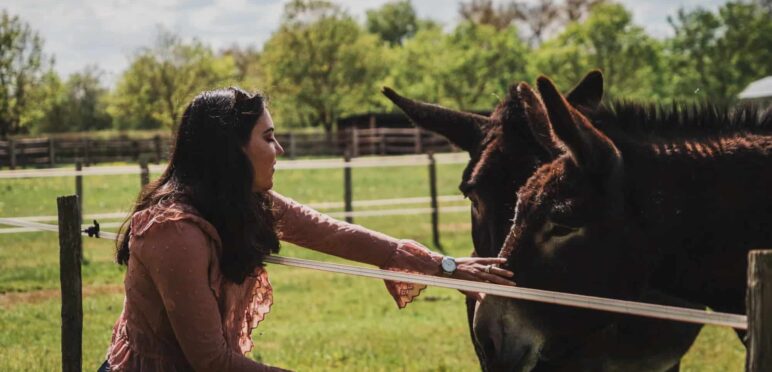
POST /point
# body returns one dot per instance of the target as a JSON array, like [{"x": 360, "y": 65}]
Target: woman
[{"x": 194, "y": 246}]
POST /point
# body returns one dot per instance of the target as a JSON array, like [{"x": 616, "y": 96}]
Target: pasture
[{"x": 319, "y": 321}]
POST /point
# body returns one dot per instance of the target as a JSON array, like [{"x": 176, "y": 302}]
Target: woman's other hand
[{"x": 482, "y": 269}]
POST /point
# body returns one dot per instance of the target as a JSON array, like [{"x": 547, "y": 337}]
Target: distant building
[{"x": 758, "y": 91}]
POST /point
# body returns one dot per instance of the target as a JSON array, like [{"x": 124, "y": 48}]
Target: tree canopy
[
  {"x": 23, "y": 66},
  {"x": 322, "y": 63}
]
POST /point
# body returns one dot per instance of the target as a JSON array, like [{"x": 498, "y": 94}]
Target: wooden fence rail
[{"x": 50, "y": 151}]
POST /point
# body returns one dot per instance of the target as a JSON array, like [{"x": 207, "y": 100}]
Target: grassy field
[{"x": 319, "y": 321}]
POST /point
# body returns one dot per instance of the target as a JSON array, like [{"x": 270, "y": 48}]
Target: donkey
[
  {"x": 505, "y": 150},
  {"x": 664, "y": 200},
  {"x": 503, "y": 154}
]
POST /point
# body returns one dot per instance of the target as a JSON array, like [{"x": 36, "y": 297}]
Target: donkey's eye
[{"x": 559, "y": 230}]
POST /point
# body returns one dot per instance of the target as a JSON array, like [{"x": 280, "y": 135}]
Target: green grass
[{"x": 319, "y": 321}]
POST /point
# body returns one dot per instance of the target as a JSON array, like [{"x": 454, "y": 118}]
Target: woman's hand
[{"x": 482, "y": 269}]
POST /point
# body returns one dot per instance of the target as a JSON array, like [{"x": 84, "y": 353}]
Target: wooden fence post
[
  {"x": 144, "y": 172},
  {"x": 373, "y": 135},
  {"x": 417, "y": 139},
  {"x": 79, "y": 189},
  {"x": 292, "y": 145},
  {"x": 51, "y": 152},
  {"x": 434, "y": 204},
  {"x": 70, "y": 258},
  {"x": 382, "y": 133},
  {"x": 12, "y": 153},
  {"x": 85, "y": 152},
  {"x": 347, "y": 192},
  {"x": 157, "y": 145},
  {"x": 354, "y": 142},
  {"x": 759, "y": 307}
]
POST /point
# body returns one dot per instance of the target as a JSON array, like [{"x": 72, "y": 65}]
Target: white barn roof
[{"x": 761, "y": 88}]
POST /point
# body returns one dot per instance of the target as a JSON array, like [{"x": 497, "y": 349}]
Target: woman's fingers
[
  {"x": 472, "y": 273},
  {"x": 501, "y": 272},
  {"x": 495, "y": 279},
  {"x": 481, "y": 260}
]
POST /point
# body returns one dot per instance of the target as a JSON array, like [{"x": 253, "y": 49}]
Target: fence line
[
  {"x": 370, "y": 162},
  {"x": 29, "y": 225},
  {"x": 347, "y": 164},
  {"x": 319, "y": 206},
  {"x": 374, "y": 141}
]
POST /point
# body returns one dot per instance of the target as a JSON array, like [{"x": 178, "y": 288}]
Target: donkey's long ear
[
  {"x": 538, "y": 120},
  {"x": 461, "y": 128},
  {"x": 589, "y": 148},
  {"x": 586, "y": 95}
]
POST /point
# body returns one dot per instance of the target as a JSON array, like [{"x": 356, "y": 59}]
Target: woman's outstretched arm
[{"x": 301, "y": 225}]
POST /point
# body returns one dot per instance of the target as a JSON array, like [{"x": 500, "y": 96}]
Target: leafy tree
[
  {"x": 414, "y": 67},
  {"x": 245, "y": 60},
  {"x": 321, "y": 65},
  {"x": 394, "y": 22},
  {"x": 22, "y": 67},
  {"x": 467, "y": 69},
  {"x": 479, "y": 63},
  {"x": 538, "y": 18},
  {"x": 484, "y": 12},
  {"x": 77, "y": 105},
  {"x": 715, "y": 55},
  {"x": 161, "y": 80},
  {"x": 576, "y": 10},
  {"x": 607, "y": 39}
]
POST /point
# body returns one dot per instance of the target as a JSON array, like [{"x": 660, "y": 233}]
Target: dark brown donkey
[
  {"x": 674, "y": 207},
  {"x": 504, "y": 152}
]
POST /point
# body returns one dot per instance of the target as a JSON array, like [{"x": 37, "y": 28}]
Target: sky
[{"x": 106, "y": 33}]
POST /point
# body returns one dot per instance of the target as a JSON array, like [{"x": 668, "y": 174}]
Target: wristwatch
[{"x": 448, "y": 265}]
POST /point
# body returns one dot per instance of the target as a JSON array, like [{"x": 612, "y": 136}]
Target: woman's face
[{"x": 262, "y": 150}]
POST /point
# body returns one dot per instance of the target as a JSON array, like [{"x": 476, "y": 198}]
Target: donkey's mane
[{"x": 681, "y": 117}]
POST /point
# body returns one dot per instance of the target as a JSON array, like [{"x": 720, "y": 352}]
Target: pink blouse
[{"x": 181, "y": 314}]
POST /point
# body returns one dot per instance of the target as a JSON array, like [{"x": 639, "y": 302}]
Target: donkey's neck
[{"x": 703, "y": 203}]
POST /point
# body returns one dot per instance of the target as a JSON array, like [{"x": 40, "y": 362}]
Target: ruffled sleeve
[
  {"x": 410, "y": 257},
  {"x": 301, "y": 225}
]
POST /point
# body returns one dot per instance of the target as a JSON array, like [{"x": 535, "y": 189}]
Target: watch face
[{"x": 448, "y": 264}]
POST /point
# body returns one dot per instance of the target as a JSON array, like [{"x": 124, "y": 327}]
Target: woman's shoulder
[{"x": 182, "y": 216}]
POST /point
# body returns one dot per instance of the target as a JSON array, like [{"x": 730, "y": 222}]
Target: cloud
[{"x": 107, "y": 32}]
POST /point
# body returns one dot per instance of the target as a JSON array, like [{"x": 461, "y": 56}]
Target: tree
[
  {"x": 469, "y": 68},
  {"x": 161, "y": 80},
  {"x": 576, "y": 10},
  {"x": 607, "y": 39},
  {"x": 483, "y": 12},
  {"x": 538, "y": 17},
  {"x": 480, "y": 62},
  {"x": 321, "y": 65},
  {"x": 245, "y": 60},
  {"x": 77, "y": 105},
  {"x": 715, "y": 55},
  {"x": 394, "y": 22},
  {"x": 22, "y": 67}
]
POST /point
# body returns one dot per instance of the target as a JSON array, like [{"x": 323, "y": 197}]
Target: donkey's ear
[
  {"x": 538, "y": 120},
  {"x": 589, "y": 148},
  {"x": 586, "y": 95},
  {"x": 463, "y": 129}
]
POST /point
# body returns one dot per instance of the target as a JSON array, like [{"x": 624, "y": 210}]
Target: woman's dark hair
[{"x": 210, "y": 171}]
